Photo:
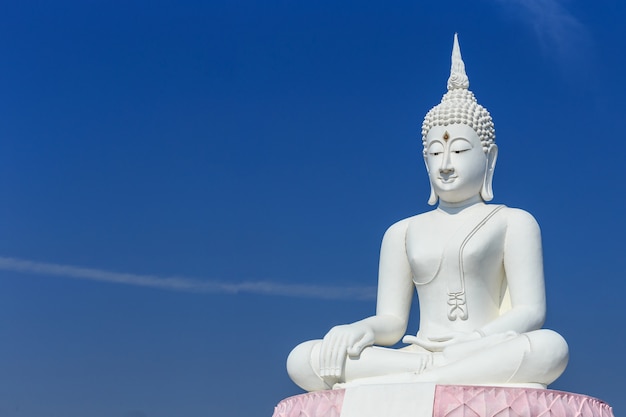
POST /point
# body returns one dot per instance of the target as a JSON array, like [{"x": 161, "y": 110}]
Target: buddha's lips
[{"x": 448, "y": 180}]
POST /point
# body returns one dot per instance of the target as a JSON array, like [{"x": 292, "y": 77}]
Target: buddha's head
[{"x": 459, "y": 142}]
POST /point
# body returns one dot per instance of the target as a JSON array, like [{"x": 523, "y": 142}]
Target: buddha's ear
[
  {"x": 432, "y": 200},
  {"x": 487, "y": 190}
]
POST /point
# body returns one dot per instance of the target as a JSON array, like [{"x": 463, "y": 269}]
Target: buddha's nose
[{"x": 446, "y": 165}]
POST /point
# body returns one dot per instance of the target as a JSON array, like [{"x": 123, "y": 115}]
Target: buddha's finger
[
  {"x": 441, "y": 338},
  {"x": 418, "y": 341},
  {"x": 411, "y": 340},
  {"x": 431, "y": 344},
  {"x": 356, "y": 349},
  {"x": 326, "y": 353},
  {"x": 325, "y": 365},
  {"x": 323, "y": 359},
  {"x": 338, "y": 358},
  {"x": 320, "y": 362}
]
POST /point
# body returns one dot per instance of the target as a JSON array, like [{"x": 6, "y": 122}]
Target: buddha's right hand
[{"x": 339, "y": 343}]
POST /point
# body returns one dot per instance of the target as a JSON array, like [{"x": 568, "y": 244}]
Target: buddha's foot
[{"x": 406, "y": 377}]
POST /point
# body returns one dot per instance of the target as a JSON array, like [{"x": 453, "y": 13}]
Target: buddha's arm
[
  {"x": 395, "y": 290},
  {"x": 523, "y": 264},
  {"x": 395, "y": 287}
]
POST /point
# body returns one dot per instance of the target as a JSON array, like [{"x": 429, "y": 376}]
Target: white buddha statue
[{"x": 477, "y": 269}]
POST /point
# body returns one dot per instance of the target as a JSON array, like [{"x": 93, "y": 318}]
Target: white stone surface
[{"x": 397, "y": 400}]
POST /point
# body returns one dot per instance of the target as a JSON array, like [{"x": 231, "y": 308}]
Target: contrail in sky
[{"x": 187, "y": 284}]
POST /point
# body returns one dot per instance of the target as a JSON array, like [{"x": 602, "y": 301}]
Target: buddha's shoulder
[
  {"x": 518, "y": 219},
  {"x": 510, "y": 216},
  {"x": 401, "y": 226},
  {"x": 516, "y": 216}
]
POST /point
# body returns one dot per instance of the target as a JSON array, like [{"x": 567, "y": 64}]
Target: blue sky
[{"x": 191, "y": 188}]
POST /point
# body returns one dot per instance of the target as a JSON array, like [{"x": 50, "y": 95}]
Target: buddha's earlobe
[
  {"x": 486, "y": 191},
  {"x": 432, "y": 200}
]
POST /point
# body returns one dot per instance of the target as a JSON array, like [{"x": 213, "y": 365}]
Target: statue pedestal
[{"x": 429, "y": 400}]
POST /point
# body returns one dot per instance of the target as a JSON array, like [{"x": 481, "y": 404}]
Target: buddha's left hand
[{"x": 440, "y": 342}]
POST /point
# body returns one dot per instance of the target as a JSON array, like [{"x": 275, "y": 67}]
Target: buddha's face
[{"x": 457, "y": 165}]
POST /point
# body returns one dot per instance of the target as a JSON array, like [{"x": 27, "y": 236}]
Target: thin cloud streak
[{"x": 187, "y": 284}]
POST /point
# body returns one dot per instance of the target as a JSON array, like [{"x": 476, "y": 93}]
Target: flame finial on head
[
  {"x": 459, "y": 105},
  {"x": 458, "y": 77}
]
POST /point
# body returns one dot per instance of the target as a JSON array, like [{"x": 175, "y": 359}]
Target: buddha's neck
[{"x": 454, "y": 208}]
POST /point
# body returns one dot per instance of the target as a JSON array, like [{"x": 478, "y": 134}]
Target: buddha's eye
[
  {"x": 459, "y": 146},
  {"x": 435, "y": 149}
]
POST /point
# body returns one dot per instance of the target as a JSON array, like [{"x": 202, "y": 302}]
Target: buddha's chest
[{"x": 448, "y": 248}]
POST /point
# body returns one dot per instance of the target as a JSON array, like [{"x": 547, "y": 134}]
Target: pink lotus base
[{"x": 459, "y": 401}]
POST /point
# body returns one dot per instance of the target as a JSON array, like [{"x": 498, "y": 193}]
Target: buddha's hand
[
  {"x": 339, "y": 343},
  {"x": 440, "y": 342}
]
